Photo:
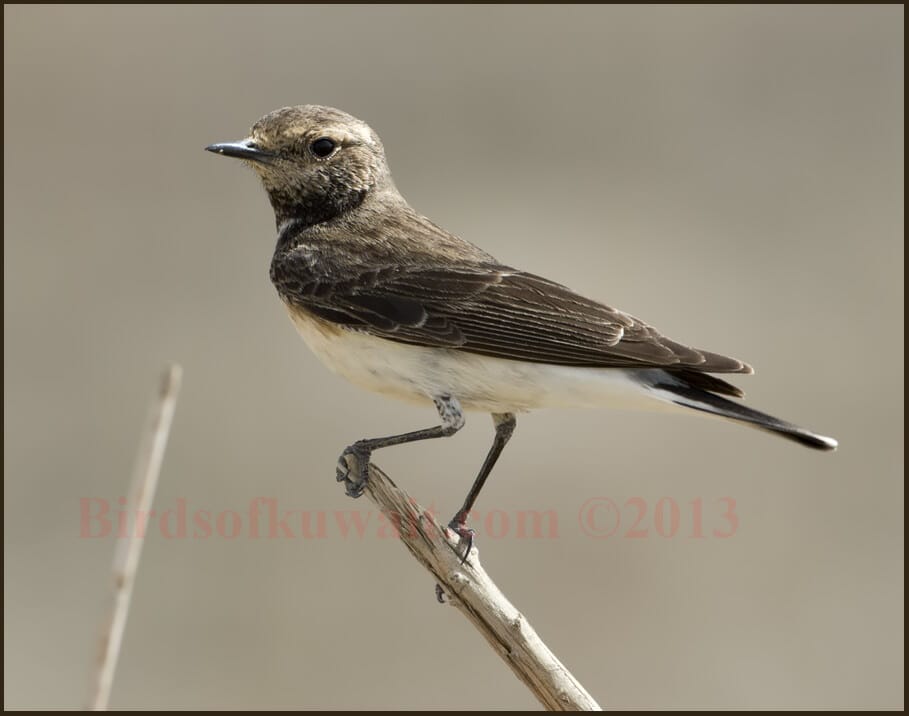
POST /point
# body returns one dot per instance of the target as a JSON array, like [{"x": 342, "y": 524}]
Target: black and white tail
[{"x": 698, "y": 391}]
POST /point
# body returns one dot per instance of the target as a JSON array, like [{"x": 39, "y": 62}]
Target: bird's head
[{"x": 315, "y": 162}]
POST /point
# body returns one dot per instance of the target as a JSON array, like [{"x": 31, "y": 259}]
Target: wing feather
[{"x": 487, "y": 309}]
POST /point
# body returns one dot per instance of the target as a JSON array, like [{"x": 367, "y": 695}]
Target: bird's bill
[{"x": 244, "y": 149}]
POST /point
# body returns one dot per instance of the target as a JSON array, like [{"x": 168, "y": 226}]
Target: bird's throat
[{"x": 305, "y": 212}]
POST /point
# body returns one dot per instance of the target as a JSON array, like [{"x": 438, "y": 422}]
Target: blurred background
[{"x": 733, "y": 175}]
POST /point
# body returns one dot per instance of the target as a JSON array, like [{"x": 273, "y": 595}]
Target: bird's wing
[{"x": 488, "y": 309}]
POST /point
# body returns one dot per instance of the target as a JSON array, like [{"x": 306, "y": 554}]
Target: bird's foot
[
  {"x": 353, "y": 469},
  {"x": 458, "y": 525}
]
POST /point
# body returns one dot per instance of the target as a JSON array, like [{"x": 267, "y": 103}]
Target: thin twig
[
  {"x": 472, "y": 591},
  {"x": 129, "y": 545}
]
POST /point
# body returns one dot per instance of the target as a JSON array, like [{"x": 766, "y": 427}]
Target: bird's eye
[{"x": 322, "y": 147}]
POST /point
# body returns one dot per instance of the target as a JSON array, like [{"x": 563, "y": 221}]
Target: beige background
[{"x": 733, "y": 175}]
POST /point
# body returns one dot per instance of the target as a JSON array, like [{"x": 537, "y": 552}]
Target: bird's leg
[
  {"x": 505, "y": 424},
  {"x": 452, "y": 420}
]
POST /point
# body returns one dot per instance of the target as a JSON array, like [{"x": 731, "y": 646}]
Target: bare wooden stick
[
  {"x": 129, "y": 545},
  {"x": 473, "y": 592}
]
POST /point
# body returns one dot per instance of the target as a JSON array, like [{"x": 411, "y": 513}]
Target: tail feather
[
  {"x": 682, "y": 390},
  {"x": 708, "y": 382}
]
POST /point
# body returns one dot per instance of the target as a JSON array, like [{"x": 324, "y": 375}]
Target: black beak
[{"x": 245, "y": 149}]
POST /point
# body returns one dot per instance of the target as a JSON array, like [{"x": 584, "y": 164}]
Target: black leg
[
  {"x": 452, "y": 421},
  {"x": 505, "y": 424}
]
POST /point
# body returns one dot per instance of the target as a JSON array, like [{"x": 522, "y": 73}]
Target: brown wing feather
[{"x": 487, "y": 309}]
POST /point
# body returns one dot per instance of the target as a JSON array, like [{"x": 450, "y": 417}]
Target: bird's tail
[{"x": 694, "y": 392}]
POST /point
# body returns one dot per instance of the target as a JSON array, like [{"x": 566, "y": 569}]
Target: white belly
[{"x": 493, "y": 385}]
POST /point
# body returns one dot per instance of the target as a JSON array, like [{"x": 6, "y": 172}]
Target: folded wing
[{"x": 492, "y": 310}]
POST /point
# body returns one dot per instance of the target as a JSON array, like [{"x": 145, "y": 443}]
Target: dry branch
[
  {"x": 472, "y": 591},
  {"x": 129, "y": 547}
]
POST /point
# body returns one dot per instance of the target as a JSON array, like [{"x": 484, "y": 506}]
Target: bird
[{"x": 401, "y": 307}]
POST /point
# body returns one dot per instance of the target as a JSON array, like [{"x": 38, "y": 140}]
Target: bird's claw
[
  {"x": 466, "y": 535},
  {"x": 353, "y": 469}
]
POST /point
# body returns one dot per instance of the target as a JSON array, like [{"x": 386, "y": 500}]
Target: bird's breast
[{"x": 375, "y": 364}]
